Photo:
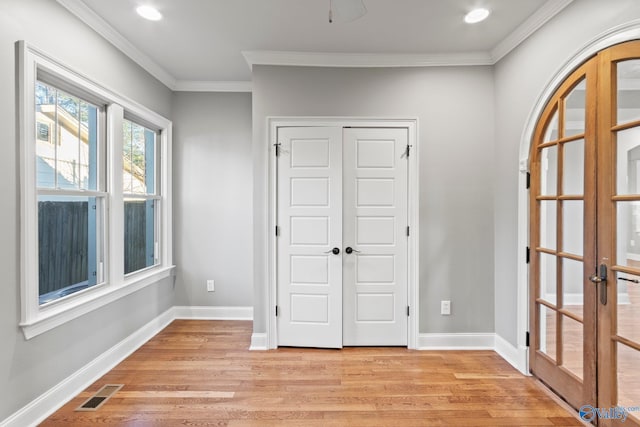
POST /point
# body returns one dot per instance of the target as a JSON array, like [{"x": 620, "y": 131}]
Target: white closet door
[
  {"x": 375, "y": 227},
  {"x": 310, "y": 225}
]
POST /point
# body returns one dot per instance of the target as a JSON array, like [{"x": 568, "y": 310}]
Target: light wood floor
[{"x": 201, "y": 373}]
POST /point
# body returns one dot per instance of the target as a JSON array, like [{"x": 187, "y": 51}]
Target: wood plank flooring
[{"x": 201, "y": 373}]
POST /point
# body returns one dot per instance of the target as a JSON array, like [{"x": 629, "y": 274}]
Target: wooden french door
[
  {"x": 562, "y": 239},
  {"x": 585, "y": 239},
  {"x": 619, "y": 231}
]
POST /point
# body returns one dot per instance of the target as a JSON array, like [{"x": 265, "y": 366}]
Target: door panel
[
  {"x": 375, "y": 221},
  {"x": 619, "y": 209},
  {"x": 562, "y": 348},
  {"x": 310, "y": 218}
]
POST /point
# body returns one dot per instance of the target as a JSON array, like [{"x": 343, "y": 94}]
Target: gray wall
[
  {"x": 456, "y": 119},
  {"x": 212, "y": 198},
  {"x": 29, "y": 368},
  {"x": 520, "y": 78},
  {"x": 471, "y": 121}
]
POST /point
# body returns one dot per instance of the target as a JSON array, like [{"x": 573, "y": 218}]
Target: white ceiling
[{"x": 200, "y": 42}]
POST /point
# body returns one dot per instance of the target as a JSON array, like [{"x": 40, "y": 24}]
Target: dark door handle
[
  {"x": 350, "y": 250},
  {"x": 601, "y": 279},
  {"x": 334, "y": 251}
]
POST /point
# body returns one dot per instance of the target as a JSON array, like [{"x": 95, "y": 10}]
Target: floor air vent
[{"x": 99, "y": 399}]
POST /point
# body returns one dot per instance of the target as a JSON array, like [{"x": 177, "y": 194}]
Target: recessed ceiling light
[
  {"x": 476, "y": 15},
  {"x": 149, "y": 12}
]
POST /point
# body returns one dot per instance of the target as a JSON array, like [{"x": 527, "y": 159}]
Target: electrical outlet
[
  {"x": 445, "y": 308},
  {"x": 211, "y": 286}
]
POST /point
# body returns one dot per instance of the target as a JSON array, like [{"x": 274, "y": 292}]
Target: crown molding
[
  {"x": 212, "y": 86},
  {"x": 540, "y": 17},
  {"x": 315, "y": 59},
  {"x": 99, "y": 25},
  {"x": 363, "y": 60}
]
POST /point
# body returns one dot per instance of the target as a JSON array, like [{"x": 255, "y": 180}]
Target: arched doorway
[{"x": 584, "y": 228}]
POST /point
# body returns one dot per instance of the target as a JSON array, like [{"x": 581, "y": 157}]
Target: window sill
[{"x": 52, "y": 317}]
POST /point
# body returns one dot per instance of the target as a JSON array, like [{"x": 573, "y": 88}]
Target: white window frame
[
  {"x": 156, "y": 196},
  {"x": 36, "y": 318}
]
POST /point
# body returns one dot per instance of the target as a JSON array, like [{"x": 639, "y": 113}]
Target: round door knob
[
  {"x": 350, "y": 250},
  {"x": 334, "y": 251}
]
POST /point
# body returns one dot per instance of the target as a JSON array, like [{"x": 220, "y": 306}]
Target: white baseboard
[
  {"x": 213, "y": 313},
  {"x": 46, "y": 404},
  {"x": 259, "y": 341},
  {"x": 456, "y": 341},
  {"x": 516, "y": 356}
]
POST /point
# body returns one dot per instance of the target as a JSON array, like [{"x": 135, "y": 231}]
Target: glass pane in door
[
  {"x": 548, "y": 279},
  {"x": 572, "y": 286},
  {"x": 628, "y": 361},
  {"x": 547, "y": 330},
  {"x": 628, "y": 299},
  {"x": 549, "y": 171},
  {"x": 548, "y": 219},
  {"x": 572, "y": 226},
  {"x": 628, "y": 358},
  {"x": 551, "y": 133},
  {"x": 628, "y": 95},
  {"x": 628, "y": 234},
  {"x": 628, "y": 161},
  {"x": 572, "y": 349},
  {"x": 573, "y": 177},
  {"x": 574, "y": 110}
]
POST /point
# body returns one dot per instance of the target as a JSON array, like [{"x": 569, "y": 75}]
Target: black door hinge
[
  {"x": 277, "y": 231},
  {"x": 527, "y": 339},
  {"x": 528, "y": 254},
  {"x": 276, "y": 311},
  {"x": 408, "y": 230},
  {"x": 277, "y": 145},
  {"x": 408, "y": 311},
  {"x": 528, "y": 180},
  {"x": 408, "y": 150}
]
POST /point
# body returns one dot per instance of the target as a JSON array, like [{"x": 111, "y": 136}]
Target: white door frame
[
  {"x": 622, "y": 33},
  {"x": 273, "y": 123}
]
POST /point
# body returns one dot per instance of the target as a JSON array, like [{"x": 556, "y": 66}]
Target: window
[
  {"x": 140, "y": 198},
  {"x": 70, "y": 196},
  {"x": 95, "y": 194}
]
